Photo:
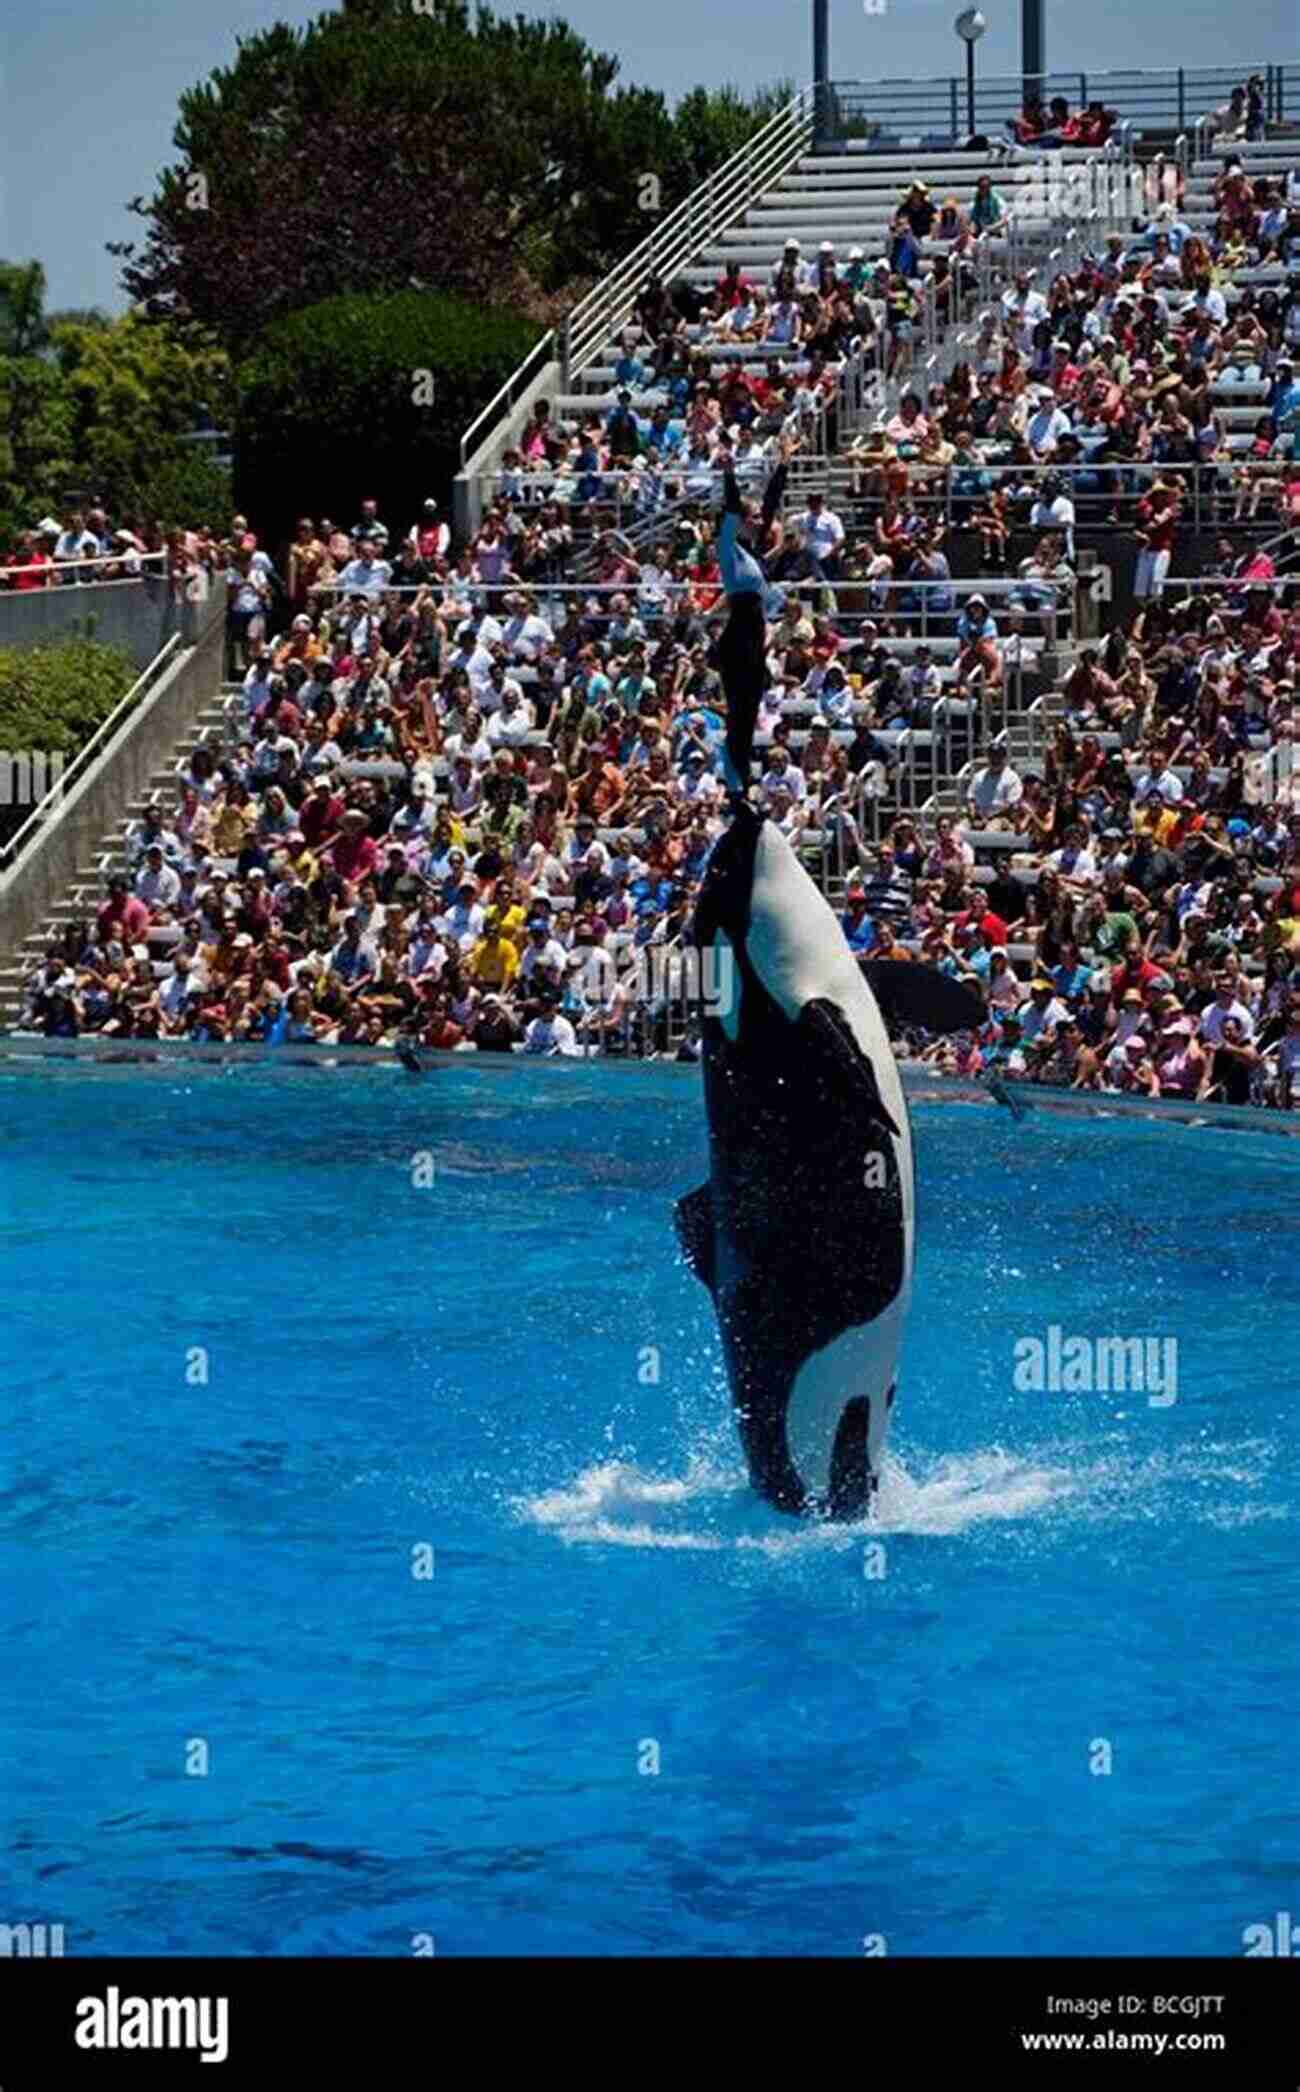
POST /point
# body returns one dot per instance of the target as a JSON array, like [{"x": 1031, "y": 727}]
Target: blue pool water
[{"x": 463, "y": 1365}]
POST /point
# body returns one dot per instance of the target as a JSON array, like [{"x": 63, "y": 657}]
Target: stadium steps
[
  {"x": 85, "y": 891},
  {"x": 852, "y": 199}
]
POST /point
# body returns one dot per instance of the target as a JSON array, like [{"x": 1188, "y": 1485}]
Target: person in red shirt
[
  {"x": 320, "y": 815},
  {"x": 765, "y": 385},
  {"x": 439, "y": 1029},
  {"x": 36, "y": 562},
  {"x": 287, "y": 715},
  {"x": 732, "y": 286},
  {"x": 355, "y": 853},
  {"x": 1157, "y": 521},
  {"x": 1136, "y": 971},
  {"x": 990, "y": 925},
  {"x": 433, "y": 538},
  {"x": 600, "y": 789},
  {"x": 124, "y": 915},
  {"x": 1065, "y": 372}
]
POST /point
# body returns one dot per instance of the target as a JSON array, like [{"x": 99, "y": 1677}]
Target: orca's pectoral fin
[
  {"x": 912, "y": 994},
  {"x": 827, "y": 1034},
  {"x": 694, "y": 1217}
]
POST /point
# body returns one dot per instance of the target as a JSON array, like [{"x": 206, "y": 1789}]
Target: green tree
[
  {"x": 388, "y": 145},
  {"x": 35, "y": 418},
  {"x": 366, "y": 394},
  {"x": 136, "y": 391},
  {"x": 24, "y": 328},
  {"x": 712, "y": 123},
  {"x": 105, "y": 407}
]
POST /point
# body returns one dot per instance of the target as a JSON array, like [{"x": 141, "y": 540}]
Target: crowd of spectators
[
  {"x": 466, "y": 794},
  {"x": 1114, "y": 393},
  {"x": 484, "y": 827},
  {"x": 88, "y": 545},
  {"x": 682, "y": 410},
  {"x": 1147, "y": 886}
]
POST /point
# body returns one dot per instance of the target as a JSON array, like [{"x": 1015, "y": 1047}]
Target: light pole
[
  {"x": 821, "y": 69},
  {"x": 1033, "y": 76},
  {"x": 970, "y": 27}
]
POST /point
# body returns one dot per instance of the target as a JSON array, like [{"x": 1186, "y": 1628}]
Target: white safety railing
[
  {"x": 508, "y": 397},
  {"x": 71, "y": 571},
  {"x": 684, "y": 232}
]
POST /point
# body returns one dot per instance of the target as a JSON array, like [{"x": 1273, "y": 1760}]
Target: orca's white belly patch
[{"x": 860, "y": 1361}]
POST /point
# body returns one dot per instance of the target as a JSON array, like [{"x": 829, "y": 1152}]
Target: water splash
[{"x": 710, "y": 1508}]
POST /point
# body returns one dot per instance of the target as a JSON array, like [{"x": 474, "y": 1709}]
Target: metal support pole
[
  {"x": 970, "y": 88},
  {"x": 1031, "y": 45},
  {"x": 821, "y": 70}
]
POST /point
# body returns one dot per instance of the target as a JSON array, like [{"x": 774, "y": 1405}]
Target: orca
[{"x": 804, "y": 1232}]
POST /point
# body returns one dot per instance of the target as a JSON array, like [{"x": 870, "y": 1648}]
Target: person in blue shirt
[
  {"x": 904, "y": 250},
  {"x": 1284, "y": 404},
  {"x": 1071, "y": 977},
  {"x": 700, "y": 726},
  {"x": 859, "y": 930},
  {"x": 630, "y": 371},
  {"x": 975, "y": 622},
  {"x": 664, "y": 437},
  {"x": 649, "y": 895},
  {"x": 587, "y": 467}
]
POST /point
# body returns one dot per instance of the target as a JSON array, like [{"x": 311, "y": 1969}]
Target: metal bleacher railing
[
  {"x": 671, "y": 241},
  {"x": 85, "y": 573},
  {"x": 931, "y": 113}
]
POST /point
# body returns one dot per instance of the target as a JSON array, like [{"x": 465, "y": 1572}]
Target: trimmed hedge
[
  {"x": 333, "y": 403},
  {"x": 52, "y": 698}
]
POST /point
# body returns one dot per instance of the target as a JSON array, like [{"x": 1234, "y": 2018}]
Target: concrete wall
[
  {"x": 138, "y": 616},
  {"x": 96, "y": 801}
]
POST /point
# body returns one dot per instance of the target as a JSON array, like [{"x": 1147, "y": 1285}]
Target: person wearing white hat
[{"x": 822, "y": 273}]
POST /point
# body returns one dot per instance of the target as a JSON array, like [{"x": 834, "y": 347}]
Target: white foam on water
[
  {"x": 712, "y": 1509},
  {"x": 619, "y": 1504}
]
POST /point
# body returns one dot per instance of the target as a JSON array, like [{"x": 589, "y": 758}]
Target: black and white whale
[{"x": 804, "y": 1232}]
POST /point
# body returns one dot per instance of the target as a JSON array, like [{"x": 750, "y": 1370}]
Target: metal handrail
[
  {"x": 687, "y": 229},
  {"x": 933, "y": 106},
  {"x": 59, "y": 573},
  {"x": 86, "y": 756},
  {"x": 957, "y": 586},
  {"x": 515, "y": 383}
]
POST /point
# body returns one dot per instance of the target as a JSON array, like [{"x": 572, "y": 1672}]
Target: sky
[{"x": 89, "y": 88}]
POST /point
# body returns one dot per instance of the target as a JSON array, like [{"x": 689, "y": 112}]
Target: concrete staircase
[
  {"x": 86, "y": 892},
  {"x": 851, "y": 199}
]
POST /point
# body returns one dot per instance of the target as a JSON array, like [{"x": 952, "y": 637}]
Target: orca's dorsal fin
[
  {"x": 828, "y": 1037},
  {"x": 912, "y": 994},
  {"x": 694, "y": 1217}
]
